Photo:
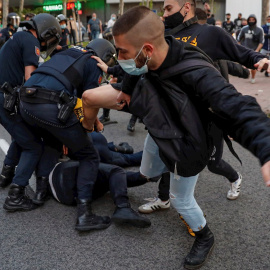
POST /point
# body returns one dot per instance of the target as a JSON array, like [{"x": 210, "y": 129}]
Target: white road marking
[{"x": 4, "y": 145}]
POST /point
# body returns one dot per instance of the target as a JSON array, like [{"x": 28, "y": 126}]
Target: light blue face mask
[
  {"x": 63, "y": 26},
  {"x": 268, "y": 24},
  {"x": 129, "y": 66}
]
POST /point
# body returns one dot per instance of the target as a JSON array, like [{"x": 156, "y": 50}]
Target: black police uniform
[
  {"x": 20, "y": 50},
  {"x": 44, "y": 114},
  {"x": 6, "y": 33}
]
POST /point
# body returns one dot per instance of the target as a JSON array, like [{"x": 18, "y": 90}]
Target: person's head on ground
[
  {"x": 94, "y": 16},
  {"x": 139, "y": 38},
  {"x": 201, "y": 15},
  {"x": 228, "y": 17},
  {"x": 252, "y": 20},
  {"x": 178, "y": 11}
]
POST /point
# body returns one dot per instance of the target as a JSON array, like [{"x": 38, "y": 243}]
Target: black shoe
[
  {"x": 266, "y": 74},
  {"x": 6, "y": 176},
  {"x": 42, "y": 190},
  {"x": 131, "y": 126},
  {"x": 201, "y": 249},
  {"x": 87, "y": 221},
  {"x": 17, "y": 200},
  {"x": 123, "y": 214},
  {"x": 124, "y": 148},
  {"x": 105, "y": 117}
]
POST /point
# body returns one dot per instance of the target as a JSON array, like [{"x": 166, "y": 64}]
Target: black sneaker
[
  {"x": 266, "y": 74},
  {"x": 131, "y": 126}
]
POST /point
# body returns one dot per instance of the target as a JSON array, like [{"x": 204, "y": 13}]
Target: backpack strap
[
  {"x": 183, "y": 66},
  {"x": 180, "y": 27}
]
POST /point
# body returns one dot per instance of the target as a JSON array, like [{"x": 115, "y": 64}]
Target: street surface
[{"x": 45, "y": 239}]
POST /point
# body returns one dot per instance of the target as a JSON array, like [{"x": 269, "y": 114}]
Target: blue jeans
[
  {"x": 110, "y": 157},
  {"x": 95, "y": 34},
  {"x": 181, "y": 188},
  {"x": 28, "y": 143}
]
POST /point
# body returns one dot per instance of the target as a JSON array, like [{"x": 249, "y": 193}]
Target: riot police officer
[
  {"x": 63, "y": 44},
  {"x": 22, "y": 51},
  {"x": 48, "y": 99},
  {"x": 13, "y": 21}
]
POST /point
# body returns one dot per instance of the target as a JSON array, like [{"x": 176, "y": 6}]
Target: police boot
[
  {"x": 124, "y": 214},
  {"x": 105, "y": 117},
  {"x": 42, "y": 190},
  {"x": 87, "y": 221},
  {"x": 17, "y": 200},
  {"x": 6, "y": 176},
  {"x": 201, "y": 249}
]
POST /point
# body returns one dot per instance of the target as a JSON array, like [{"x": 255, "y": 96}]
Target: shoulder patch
[
  {"x": 37, "y": 51},
  {"x": 100, "y": 79}
]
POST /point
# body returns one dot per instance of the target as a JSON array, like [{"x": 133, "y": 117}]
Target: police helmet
[
  {"x": 48, "y": 32},
  {"x": 104, "y": 50},
  {"x": 13, "y": 19},
  {"x": 61, "y": 17}
]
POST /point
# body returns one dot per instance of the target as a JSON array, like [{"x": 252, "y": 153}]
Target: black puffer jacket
[{"x": 240, "y": 115}]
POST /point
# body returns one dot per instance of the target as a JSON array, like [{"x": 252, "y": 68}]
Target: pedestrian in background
[
  {"x": 94, "y": 26},
  {"x": 228, "y": 25},
  {"x": 252, "y": 37}
]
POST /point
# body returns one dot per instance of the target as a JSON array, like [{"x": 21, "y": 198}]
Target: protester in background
[
  {"x": 243, "y": 23},
  {"x": 266, "y": 46},
  {"x": 111, "y": 21},
  {"x": 252, "y": 37},
  {"x": 238, "y": 22},
  {"x": 219, "y": 24},
  {"x": 94, "y": 26},
  {"x": 228, "y": 25},
  {"x": 210, "y": 17}
]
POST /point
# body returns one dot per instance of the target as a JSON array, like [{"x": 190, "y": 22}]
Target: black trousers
[{"x": 72, "y": 135}]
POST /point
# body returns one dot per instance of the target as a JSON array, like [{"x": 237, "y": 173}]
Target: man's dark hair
[
  {"x": 127, "y": 21},
  {"x": 228, "y": 14},
  {"x": 240, "y": 14},
  {"x": 201, "y": 14}
]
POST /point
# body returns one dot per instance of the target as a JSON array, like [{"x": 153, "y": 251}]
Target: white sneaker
[
  {"x": 153, "y": 205},
  {"x": 234, "y": 191},
  {"x": 253, "y": 81}
]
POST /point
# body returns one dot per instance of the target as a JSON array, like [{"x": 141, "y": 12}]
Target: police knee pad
[{"x": 62, "y": 181}]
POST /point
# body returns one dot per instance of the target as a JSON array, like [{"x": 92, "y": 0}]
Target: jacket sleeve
[
  {"x": 245, "y": 121},
  {"x": 231, "y": 50}
]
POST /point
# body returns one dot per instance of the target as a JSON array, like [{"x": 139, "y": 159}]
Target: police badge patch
[{"x": 37, "y": 51}]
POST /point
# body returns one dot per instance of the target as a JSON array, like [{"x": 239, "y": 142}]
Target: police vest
[{"x": 67, "y": 67}]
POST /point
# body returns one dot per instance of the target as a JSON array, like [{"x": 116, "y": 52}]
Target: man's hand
[
  {"x": 101, "y": 64},
  {"x": 207, "y": 7},
  {"x": 263, "y": 64},
  {"x": 266, "y": 173},
  {"x": 58, "y": 47},
  {"x": 123, "y": 98},
  {"x": 113, "y": 80}
]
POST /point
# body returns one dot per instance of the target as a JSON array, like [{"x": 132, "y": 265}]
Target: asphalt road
[{"x": 46, "y": 239}]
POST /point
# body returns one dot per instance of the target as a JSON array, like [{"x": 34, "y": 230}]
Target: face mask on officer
[
  {"x": 113, "y": 18},
  {"x": 129, "y": 66},
  {"x": 175, "y": 19},
  {"x": 63, "y": 26},
  {"x": 268, "y": 24}
]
